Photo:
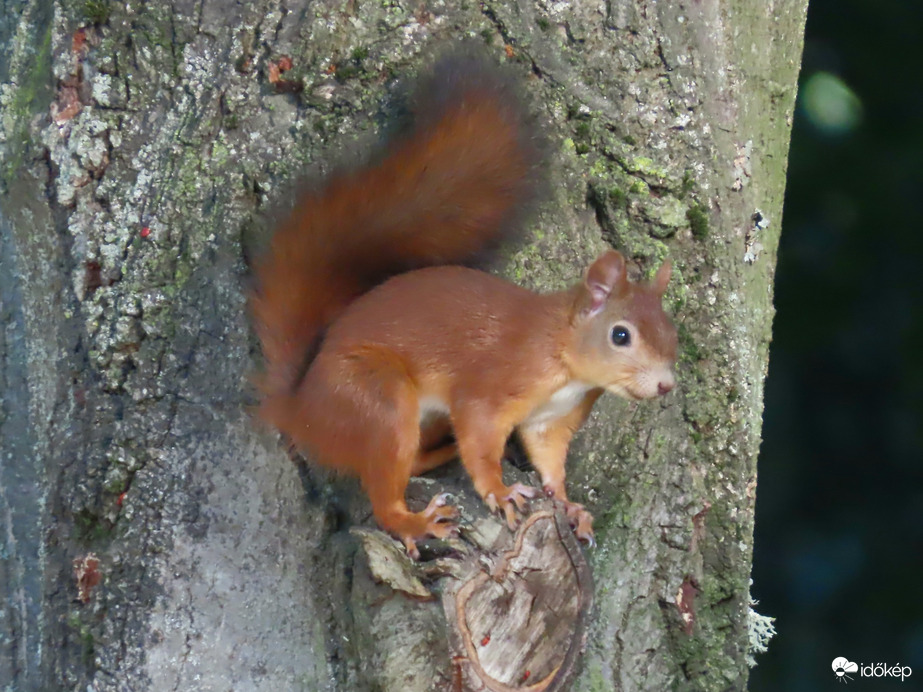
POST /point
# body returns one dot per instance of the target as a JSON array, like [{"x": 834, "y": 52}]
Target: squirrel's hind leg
[
  {"x": 391, "y": 511},
  {"x": 388, "y": 423},
  {"x": 437, "y": 445},
  {"x": 434, "y": 458},
  {"x": 437, "y": 521}
]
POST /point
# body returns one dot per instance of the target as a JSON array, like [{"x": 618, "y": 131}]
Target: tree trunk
[{"x": 142, "y": 145}]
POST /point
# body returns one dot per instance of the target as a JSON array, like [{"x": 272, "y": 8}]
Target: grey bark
[{"x": 141, "y": 144}]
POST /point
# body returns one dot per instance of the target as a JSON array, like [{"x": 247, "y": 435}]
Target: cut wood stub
[{"x": 517, "y": 623}]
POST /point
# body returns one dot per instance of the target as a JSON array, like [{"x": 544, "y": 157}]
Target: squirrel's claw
[
  {"x": 582, "y": 523},
  {"x": 439, "y": 511},
  {"x": 520, "y": 494},
  {"x": 411, "y": 546},
  {"x": 438, "y": 520},
  {"x": 580, "y": 520},
  {"x": 512, "y": 500}
]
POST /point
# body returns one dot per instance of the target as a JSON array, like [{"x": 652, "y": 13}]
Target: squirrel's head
[{"x": 624, "y": 341}]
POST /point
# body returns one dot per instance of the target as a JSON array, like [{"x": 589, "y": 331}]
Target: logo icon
[{"x": 841, "y": 668}]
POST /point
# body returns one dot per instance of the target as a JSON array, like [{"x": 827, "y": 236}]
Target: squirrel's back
[{"x": 450, "y": 188}]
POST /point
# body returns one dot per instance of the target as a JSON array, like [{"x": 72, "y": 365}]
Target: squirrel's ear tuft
[
  {"x": 605, "y": 276},
  {"x": 662, "y": 277}
]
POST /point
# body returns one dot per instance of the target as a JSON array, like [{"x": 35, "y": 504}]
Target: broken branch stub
[{"x": 517, "y": 622}]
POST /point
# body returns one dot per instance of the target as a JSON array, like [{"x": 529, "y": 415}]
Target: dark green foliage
[
  {"x": 618, "y": 197},
  {"x": 97, "y": 11},
  {"x": 698, "y": 221}
]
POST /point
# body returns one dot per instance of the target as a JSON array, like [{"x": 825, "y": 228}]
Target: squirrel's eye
[{"x": 620, "y": 335}]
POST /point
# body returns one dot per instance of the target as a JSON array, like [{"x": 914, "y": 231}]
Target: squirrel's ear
[
  {"x": 605, "y": 275},
  {"x": 662, "y": 277}
]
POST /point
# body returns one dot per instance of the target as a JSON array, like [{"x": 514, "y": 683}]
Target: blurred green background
[{"x": 839, "y": 517}]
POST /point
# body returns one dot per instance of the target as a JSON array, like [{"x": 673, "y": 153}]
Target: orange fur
[
  {"x": 442, "y": 343},
  {"x": 439, "y": 195}
]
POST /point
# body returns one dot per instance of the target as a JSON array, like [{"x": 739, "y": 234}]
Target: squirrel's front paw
[
  {"x": 581, "y": 522},
  {"x": 512, "y": 500}
]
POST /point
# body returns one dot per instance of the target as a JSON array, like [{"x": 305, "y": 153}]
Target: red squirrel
[{"x": 379, "y": 346}]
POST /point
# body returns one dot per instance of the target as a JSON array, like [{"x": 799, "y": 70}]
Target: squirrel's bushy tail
[{"x": 452, "y": 187}]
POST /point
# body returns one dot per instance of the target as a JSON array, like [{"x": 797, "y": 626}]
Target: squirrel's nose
[{"x": 665, "y": 387}]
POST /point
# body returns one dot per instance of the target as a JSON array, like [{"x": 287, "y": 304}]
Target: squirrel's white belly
[
  {"x": 432, "y": 407},
  {"x": 560, "y": 403}
]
